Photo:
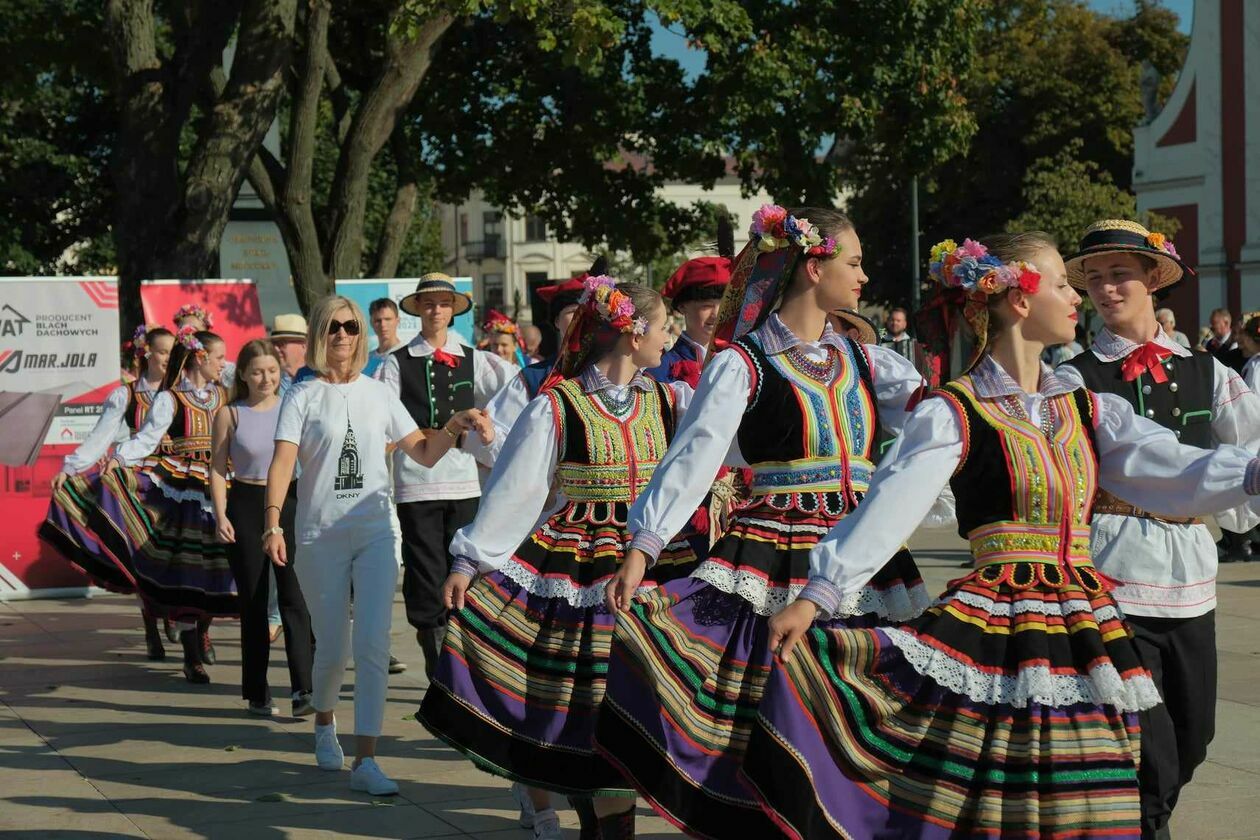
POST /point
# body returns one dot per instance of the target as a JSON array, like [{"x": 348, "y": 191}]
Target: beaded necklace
[
  {"x": 823, "y": 371},
  {"x": 617, "y": 406},
  {"x": 1015, "y": 407}
]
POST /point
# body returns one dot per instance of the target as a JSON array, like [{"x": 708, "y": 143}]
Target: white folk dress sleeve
[
  {"x": 515, "y": 493},
  {"x": 503, "y": 409},
  {"x": 110, "y": 427},
  {"x": 156, "y": 425},
  {"x": 896, "y": 382},
  {"x": 1235, "y": 421},
  {"x": 698, "y": 451}
]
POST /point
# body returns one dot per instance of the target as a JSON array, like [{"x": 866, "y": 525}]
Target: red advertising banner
[
  {"x": 232, "y": 303},
  {"x": 59, "y": 359}
]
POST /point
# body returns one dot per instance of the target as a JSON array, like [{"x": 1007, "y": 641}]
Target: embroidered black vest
[
  {"x": 138, "y": 405},
  {"x": 1182, "y": 404},
  {"x": 432, "y": 392}
]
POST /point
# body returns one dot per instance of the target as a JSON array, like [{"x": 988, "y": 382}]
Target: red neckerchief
[
  {"x": 1147, "y": 358},
  {"x": 443, "y": 358}
]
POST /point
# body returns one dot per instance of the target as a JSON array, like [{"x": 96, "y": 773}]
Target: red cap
[
  {"x": 496, "y": 321},
  {"x": 573, "y": 284},
  {"x": 698, "y": 273}
]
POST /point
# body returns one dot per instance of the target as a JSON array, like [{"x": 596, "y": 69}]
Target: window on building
[
  {"x": 535, "y": 229},
  {"x": 492, "y": 234},
  {"x": 492, "y": 291}
]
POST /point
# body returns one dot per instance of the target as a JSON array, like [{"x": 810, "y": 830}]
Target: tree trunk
[
  {"x": 145, "y": 163},
  {"x": 233, "y": 131},
  {"x": 406, "y": 62},
  {"x": 398, "y": 223}
]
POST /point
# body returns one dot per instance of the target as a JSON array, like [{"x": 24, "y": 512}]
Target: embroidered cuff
[
  {"x": 1251, "y": 478},
  {"x": 465, "y": 566},
  {"x": 825, "y": 594},
  {"x": 650, "y": 544}
]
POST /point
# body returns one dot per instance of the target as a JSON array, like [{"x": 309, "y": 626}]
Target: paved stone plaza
[{"x": 96, "y": 741}]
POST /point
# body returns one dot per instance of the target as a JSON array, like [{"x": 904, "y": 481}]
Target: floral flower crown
[
  {"x": 971, "y": 267},
  {"x": 187, "y": 338},
  {"x": 601, "y": 297},
  {"x": 773, "y": 228},
  {"x": 138, "y": 344},
  {"x": 192, "y": 309}
]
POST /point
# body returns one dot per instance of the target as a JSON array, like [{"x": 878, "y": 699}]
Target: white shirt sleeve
[
  {"x": 156, "y": 425},
  {"x": 1144, "y": 464},
  {"x": 1236, "y": 421},
  {"x": 504, "y": 408},
  {"x": 490, "y": 375},
  {"x": 904, "y": 488},
  {"x": 1251, "y": 374},
  {"x": 515, "y": 493},
  {"x": 699, "y": 449},
  {"x": 388, "y": 373},
  {"x": 400, "y": 423},
  {"x": 110, "y": 426},
  {"x": 293, "y": 414},
  {"x": 683, "y": 396},
  {"x": 896, "y": 381}
]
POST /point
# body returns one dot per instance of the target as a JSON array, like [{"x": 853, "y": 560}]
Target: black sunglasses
[{"x": 351, "y": 327}]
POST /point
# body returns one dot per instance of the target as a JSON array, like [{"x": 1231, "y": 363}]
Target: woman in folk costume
[
  {"x": 522, "y": 669},
  {"x": 1009, "y": 707},
  {"x": 75, "y": 525},
  {"x": 798, "y": 404},
  {"x": 502, "y": 337},
  {"x": 164, "y": 507}
]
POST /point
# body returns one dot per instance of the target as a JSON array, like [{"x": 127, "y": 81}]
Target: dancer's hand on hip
[
  {"x": 453, "y": 590},
  {"x": 625, "y": 583},
  {"x": 787, "y": 628}
]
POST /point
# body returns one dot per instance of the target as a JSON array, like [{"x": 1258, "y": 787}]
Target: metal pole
[{"x": 914, "y": 244}]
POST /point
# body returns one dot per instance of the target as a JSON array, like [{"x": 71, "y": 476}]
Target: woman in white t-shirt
[{"x": 337, "y": 427}]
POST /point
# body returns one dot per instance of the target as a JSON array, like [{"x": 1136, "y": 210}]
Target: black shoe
[
  {"x": 153, "y": 640},
  {"x": 193, "y": 672},
  {"x": 430, "y": 640},
  {"x": 617, "y": 826},
  {"x": 396, "y": 666},
  {"x": 208, "y": 656},
  {"x": 302, "y": 705},
  {"x": 587, "y": 819}
]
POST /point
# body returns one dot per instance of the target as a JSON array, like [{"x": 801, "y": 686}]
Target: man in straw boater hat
[
  {"x": 1164, "y": 566},
  {"x": 436, "y": 376}
]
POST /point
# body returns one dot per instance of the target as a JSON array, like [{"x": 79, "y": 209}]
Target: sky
[{"x": 670, "y": 42}]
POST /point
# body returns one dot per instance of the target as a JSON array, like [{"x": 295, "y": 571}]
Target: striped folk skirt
[
  {"x": 1007, "y": 710},
  {"x": 524, "y": 663},
  {"x": 691, "y": 659}
]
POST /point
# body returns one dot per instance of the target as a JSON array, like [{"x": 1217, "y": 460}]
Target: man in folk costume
[
  {"x": 436, "y": 376},
  {"x": 1164, "y": 566},
  {"x": 695, "y": 292},
  {"x": 507, "y": 405}
]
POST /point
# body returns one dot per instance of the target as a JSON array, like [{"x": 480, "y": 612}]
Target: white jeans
[{"x": 362, "y": 557}]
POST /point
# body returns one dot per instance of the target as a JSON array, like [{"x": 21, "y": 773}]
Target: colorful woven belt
[
  {"x": 810, "y": 474},
  {"x": 1029, "y": 542}
]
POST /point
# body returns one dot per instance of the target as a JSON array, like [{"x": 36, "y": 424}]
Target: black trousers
[
  {"x": 1181, "y": 656},
  {"x": 427, "y": 530},
  {"x": 249, "y": 566}
]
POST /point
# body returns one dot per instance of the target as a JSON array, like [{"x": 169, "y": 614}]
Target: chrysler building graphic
[{"x": 349, "y": 469}]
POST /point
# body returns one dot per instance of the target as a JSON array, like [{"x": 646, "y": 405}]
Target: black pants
[
  {"x": 427, "y": 530},
  {"x": 1181, "y": 656},
  {"x": 249, "y": 566}
]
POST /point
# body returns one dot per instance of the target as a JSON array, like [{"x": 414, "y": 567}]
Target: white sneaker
[
  {"x": 328, "y": 754},
  {"x": 547, "y": 825},
  {"x": 521, "y": 795},
  {"x": 368, "y": 778}
]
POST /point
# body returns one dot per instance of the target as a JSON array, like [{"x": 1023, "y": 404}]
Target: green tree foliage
[{"x": 1055, "y": 93}]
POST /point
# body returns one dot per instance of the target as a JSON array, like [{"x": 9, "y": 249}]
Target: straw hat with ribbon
[
  {"x": 435, "y": 283},
  {"x": 1121, "y": 236}
]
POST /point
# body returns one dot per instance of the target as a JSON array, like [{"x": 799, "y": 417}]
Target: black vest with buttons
[
  {"x": 433, "y": 393},
  {"x": 1182, "y": 404}
]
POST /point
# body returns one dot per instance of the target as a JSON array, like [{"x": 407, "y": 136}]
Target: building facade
[{"x": 1198, "y": 160}]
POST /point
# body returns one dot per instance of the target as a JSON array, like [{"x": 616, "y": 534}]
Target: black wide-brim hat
[
  {"x": 432, "y": 284},
  {"x": 1121, "y": 236}
]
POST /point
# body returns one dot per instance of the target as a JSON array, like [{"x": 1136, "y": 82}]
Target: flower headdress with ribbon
[
  {"x": 193, "y": 310},
  {"x": 778, "y": 240},
  {"x": 969, "y": 275},
  {"x": 605, "y": 313},
  {"x": 138, "y": 344},
  {"x": 187, "y": 338}
]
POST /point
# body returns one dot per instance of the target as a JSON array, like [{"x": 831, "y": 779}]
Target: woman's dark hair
[
  {"x": 647, "y": 302},
  {"x": 830, "y": 222},
  {"x": 1252, "y": 328},
  {"x": 180, "y": 356},
  {"x": 252, "y": 350},
  {"x": 149, "y": 337}
]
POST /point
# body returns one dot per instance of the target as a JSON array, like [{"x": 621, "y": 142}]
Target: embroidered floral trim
[
  {"x": 563, "y": 589},
  {"x": 1024, "y": 606},
  {"x": 1103, "y": 684}
]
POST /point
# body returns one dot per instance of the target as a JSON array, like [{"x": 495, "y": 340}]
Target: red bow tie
[
  {"x": 1146, "y": 358},
  {"x": 443, "y": 358}
]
